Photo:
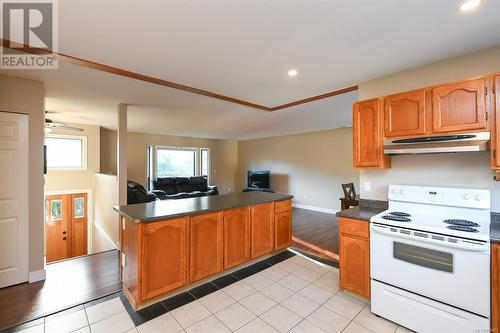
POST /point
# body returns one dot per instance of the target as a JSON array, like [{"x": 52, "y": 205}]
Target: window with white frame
[
  {"x": 177, "y": 162},
  {"x": 66, "y": 152}
]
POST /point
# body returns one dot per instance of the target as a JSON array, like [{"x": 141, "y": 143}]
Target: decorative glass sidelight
[
  {"x": 79, "y": 207},
  {"x": 56, "y": 210}
]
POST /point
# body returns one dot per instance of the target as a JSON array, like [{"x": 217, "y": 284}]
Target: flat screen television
[{"x": 259, "y": 179}]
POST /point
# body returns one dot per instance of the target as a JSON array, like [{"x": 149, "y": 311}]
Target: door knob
[{"x": 64, "y": 238}]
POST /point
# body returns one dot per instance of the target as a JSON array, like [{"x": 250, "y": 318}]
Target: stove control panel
[{"x": 444, "y": 196}]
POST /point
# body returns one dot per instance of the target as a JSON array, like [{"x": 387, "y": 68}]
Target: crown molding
[{"x": 154, "y": 80}]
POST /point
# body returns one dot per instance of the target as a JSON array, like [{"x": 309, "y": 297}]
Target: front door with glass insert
[{"x": 65, "y": 226}]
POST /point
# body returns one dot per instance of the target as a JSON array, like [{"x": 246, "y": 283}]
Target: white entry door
[{"x": 13, "y": 198}]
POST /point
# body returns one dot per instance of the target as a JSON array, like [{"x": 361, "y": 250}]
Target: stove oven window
[{"x": 421, "y": 256}]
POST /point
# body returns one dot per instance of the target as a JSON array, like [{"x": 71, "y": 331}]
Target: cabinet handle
[
  {"x": 64, "y": 238},
  {"x": 64, "y": 232}
]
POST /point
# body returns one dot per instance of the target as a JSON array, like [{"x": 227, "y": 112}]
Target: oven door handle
[{"x": 460, "y": 245}]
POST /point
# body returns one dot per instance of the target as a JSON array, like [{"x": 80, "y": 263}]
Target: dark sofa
[
  {"x": 183, "y": 187},
  {"x": 137, "y": 194}
]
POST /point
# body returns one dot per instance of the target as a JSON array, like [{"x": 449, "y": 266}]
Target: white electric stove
[{"x": 430, "y": 259}]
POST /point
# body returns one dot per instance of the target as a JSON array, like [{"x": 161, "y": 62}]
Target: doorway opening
[{"x": 67, "y": 232}]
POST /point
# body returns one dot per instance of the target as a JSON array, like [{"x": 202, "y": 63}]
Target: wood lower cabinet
[
  {"x": 282, "y": 225},
  {"x": 367, "y": 135},
  {"x": 405, "y": 114},
  {"x": 159, "y": 257},
  {"x": 164, "y": 263},
  {"x": 262, "y": 229},
  {"x": 236, "y": 236},
  {"x": 354, "y": 259},
  {"x": 460, "y": 106},
  {"x": 206, "y": 245},
  {"x": 495, "y": 287}
]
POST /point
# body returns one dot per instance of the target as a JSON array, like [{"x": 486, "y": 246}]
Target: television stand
[{"x": 257, "y": 189}]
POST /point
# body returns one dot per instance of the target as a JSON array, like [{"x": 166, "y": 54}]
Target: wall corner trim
[
  {"x": 36, "y": 276},
  {"x": 316, "y": 209}
]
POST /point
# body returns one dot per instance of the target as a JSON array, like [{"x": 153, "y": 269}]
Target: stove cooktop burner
[
  {"x": 396, "y": 218},
  {"x": 400, "y": 214},
  {"x": 459, "y": 222},
  {"x": 462, "y": 228}
]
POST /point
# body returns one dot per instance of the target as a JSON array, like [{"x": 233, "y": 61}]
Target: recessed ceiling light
[
  {"x": 292, "y": 72},
  {"x": 469, "y": 5}
]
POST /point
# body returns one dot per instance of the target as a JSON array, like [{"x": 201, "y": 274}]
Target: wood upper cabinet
[
  {"x": 206, "y": 235},
  {"x": 236, "y": 236},
  {"x": 460, "y": 106},
  {"x": 367, "y": 135},
  {"x": 495, "y": 287},
  {"x": 354, "y": 259},
  {"x": 164, "y": 263},
  {"x": 262, "y": 229},
  {"x": 495, "y": 158},
  {"x": 282, "y": 224},
  {"x": 405, "y": 114}
]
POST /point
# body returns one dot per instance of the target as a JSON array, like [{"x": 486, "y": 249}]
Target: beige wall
[
  {"x": 27, "y": 96},
  {"x": 106, "y": 219},
  {"x": 223, "y": 156},
  {"x": 107, "y": 151},
  {"x": 453, "y": 170},
  {"x": 310, "y": 166}
]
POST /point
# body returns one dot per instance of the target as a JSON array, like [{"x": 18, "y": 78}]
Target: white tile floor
[{"x": 296, "y": 295}]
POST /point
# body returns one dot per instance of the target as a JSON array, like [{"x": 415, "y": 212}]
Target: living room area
[{"x": 168, "y": 167}]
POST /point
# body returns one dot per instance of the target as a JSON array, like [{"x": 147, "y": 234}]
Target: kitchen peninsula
[{"x": 168, "y": 245}]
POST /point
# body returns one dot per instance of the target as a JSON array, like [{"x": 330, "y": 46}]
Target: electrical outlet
[{"x": 367, "y": 186}]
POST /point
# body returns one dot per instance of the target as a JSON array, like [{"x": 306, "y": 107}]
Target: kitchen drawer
[
  {"x": 354, "y": 227},
  {"x": 282, "y": 206}
]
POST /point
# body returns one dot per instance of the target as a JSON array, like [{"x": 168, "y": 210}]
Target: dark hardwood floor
[
  {"x": 316, "y": 233},
  {"x": 69, "y": 283}
]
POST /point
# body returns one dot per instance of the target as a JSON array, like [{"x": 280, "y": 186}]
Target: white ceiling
[{"x": 244, "y": 49}]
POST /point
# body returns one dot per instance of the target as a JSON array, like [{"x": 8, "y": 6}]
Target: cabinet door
[
  {"x": 262, "y": 229},
  {"x": 355, "y": 265},
  {"x": 367, "y": 145},
  {"x": 405, "y": 114},
  {"x": 495, "y": 287},
  {"x": 459, "y": 106},
  {"x": 206, "y": 234},
  {"x": 236, "y": 236},
  {"x": 282, "y": 230},
  {"x": 496, "y": 126},
  {"x": 164, "y": 263}
]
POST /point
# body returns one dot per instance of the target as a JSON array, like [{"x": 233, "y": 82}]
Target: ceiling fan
[{"x": 51, "y": 125}]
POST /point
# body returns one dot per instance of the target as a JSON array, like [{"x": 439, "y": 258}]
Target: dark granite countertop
[
  {"x": 365, "y": 210},
  {"x": 167, "y": 209}
]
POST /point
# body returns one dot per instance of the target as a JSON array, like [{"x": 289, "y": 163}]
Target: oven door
[{"x": 455, "y": 273}]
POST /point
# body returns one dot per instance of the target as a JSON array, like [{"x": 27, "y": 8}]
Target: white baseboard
[
  {"x": 36, "y": 276},
  {"x": 316, "y": 209},
  {"x": 108, "y": 239}
]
